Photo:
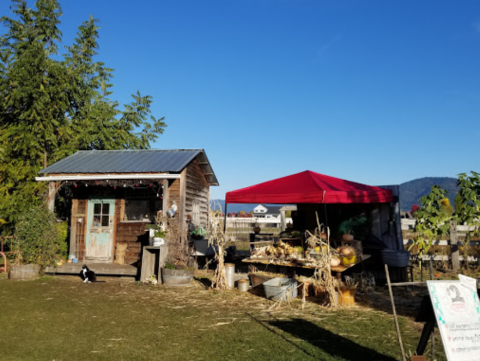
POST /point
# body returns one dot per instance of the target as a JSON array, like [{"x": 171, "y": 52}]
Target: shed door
[{"x": 100, "y": 230}]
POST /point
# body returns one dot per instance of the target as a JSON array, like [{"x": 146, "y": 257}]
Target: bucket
[
  {"x": 346, "y": 296},
  {"x": 395, "y": 258},
  {"x": 280, "y": 289},
  {"x": 230, "y": 274},
  {"x": 243, "y": 285}
]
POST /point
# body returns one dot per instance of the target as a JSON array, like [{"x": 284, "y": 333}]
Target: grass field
[{"x": 64, "y": 319}]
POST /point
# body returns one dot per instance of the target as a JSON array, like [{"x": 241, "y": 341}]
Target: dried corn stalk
[
  {"x": 322, "y": 278},
  {"x": 217, "y": 238}
]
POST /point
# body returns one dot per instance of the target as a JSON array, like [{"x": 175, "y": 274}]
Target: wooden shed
[{"x": 116, "y": 193}]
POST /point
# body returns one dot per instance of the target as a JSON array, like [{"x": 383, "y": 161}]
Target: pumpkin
[
  {"x": 347, "y": 251},
  {"x": 334, "y": 261}
]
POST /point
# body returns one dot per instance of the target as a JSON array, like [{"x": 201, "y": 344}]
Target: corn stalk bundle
[
  {"x": 217, "y": 238},
  {"x": 322, "y": 278}
]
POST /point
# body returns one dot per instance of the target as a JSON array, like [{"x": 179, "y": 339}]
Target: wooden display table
[{"x": 337, "y": 269}]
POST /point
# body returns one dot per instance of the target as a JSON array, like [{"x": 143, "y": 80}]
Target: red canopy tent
[{"x": 309, "y": 187}]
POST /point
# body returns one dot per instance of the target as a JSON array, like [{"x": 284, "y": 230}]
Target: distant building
[{"x": 262, "y": 211}]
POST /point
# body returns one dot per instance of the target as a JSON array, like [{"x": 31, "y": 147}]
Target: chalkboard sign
[{"x": 457, "y": 311}]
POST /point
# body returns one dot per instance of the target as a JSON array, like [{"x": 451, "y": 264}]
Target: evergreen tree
[{"x": 52, "y": 106}]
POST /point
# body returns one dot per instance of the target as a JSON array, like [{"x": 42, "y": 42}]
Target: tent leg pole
[{"x": 225, "y": 220}]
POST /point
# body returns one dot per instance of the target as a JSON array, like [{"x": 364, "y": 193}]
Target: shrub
[{"x": 40, "y": 238}]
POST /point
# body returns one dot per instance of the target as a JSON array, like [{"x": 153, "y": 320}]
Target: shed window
[
  {"x": 101, "y": 216},
  {"x": 141, "y": 209},
  {"x": 196, "y": 213}
]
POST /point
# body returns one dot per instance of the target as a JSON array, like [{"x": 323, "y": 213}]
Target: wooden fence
[
  {"x": 240, "y": 228},
  {"x": 452, "y": 250}
]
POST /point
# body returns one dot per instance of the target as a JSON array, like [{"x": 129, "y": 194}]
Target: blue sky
[{"x": 378, "y": 92}]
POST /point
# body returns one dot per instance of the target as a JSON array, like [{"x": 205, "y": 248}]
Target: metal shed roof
[{"x": 132, "y": 161}]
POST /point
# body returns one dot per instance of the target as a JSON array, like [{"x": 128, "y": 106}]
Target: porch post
[
  {"x": 165, "y": 196},
  {"x": 225, "y": 219},
  {"x": 51, "y": 196}
]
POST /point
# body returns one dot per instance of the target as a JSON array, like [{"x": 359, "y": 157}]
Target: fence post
[{"x": 455, "y": 254}]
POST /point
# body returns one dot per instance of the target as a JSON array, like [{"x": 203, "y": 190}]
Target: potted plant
[
  {"x": 151, "y": 230},
  {"x": 158, "y": 238}
]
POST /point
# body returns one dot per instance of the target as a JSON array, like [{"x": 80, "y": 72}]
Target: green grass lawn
[{"x": 64, "y": 319}]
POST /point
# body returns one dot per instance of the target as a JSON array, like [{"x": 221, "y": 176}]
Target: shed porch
[{"x": 100, "y": 269}]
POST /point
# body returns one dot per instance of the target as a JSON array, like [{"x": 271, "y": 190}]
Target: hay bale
[{"x": 120, "y": 251}]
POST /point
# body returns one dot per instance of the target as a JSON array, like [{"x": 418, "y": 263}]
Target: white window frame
[{"x": 196, "y": 213}]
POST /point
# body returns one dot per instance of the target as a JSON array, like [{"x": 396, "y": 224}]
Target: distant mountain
[{"x": 410, "y": 192}]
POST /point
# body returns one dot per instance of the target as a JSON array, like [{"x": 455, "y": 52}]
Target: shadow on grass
[
  {"x": 407, "y": 301},
  {"x": 204, "y": 281},
  {"x": 328, "y": 342}
]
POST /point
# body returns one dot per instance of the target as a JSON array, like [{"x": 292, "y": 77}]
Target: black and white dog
[{"x": 87, "y": 275}]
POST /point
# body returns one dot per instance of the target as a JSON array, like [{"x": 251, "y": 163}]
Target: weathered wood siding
[
  {"x": 135, "y": 236},
  {"x": 131, "y": 233},
  {"x": 197, "y": 190},
  {"x": 174, "y": 192}
]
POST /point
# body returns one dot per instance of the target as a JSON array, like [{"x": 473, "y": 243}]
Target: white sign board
[{"x": 457, "y": 310}]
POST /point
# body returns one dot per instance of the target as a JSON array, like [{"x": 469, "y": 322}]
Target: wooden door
[{"x": 100, "y": 223}]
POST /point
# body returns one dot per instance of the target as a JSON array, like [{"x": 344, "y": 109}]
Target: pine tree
[{"x": 52, "y": 106}]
